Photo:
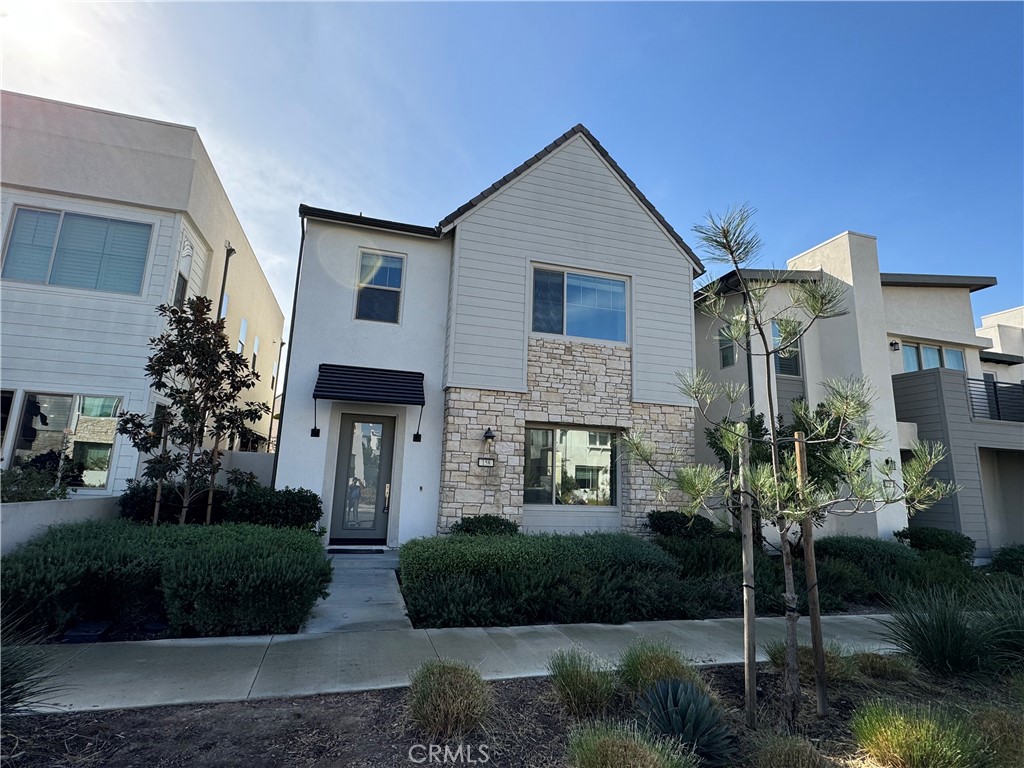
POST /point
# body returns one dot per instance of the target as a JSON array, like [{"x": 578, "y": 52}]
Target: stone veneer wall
[{"x": 570, "y": 383}]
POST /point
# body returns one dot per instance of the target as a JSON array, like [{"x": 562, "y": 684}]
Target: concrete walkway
[
  {"x": 364, "y": 595},
  {"x": 158, "y": 672}
]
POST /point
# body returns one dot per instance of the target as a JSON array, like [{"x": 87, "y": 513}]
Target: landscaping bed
[{"x": 372, "y": 729}]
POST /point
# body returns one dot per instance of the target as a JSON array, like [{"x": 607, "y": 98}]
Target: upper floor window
[
  {"x": 255, "y": 351},
  {"x": 380, "y": 287},
  {"x": 242, "y": 331},
  {"x": 726, "y": 350},
  {"x": 586, "y": 306},
  {"x": 790, "y": 364},
  {"x": 224, "y": 307},
  {"x": 77, "y": 251},
  {"x": 920, "y": 357}
]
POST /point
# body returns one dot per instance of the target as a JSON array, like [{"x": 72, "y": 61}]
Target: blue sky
[{"x": 904, "y": 121}]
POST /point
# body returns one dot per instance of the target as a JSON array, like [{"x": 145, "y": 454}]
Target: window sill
[
  {"x": 567, "y": 507},
  {"x": 578, "y": 340}
]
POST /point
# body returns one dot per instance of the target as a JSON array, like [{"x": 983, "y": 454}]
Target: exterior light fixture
[
  {"x": 894, "y": 345},
  {"x": 890, "y": 465},
  {"x": 488, "y": 438}
]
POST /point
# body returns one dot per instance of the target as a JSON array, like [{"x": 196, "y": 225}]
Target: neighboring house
[
  {"x": 1004, "y": 360},
  {"x": 486, "y": 365},
  {"x": 105, "y": 217},
  {"x": 912, "y": 337}
]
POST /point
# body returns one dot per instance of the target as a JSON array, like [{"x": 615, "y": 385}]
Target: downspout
[{"x": 291, "y": 347}]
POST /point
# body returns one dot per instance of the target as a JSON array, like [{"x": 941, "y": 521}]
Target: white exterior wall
[
  {"x": 325, "y": 331},
  {"x": 1005, "y": 331},
  {"x": 58, "y": 340},
  {"x": 569, "y": 210},
  {"x": 856, "y": 344}
]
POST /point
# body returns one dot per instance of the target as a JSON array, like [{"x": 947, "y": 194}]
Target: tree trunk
[
  {"x": 213, "y": 477},
  {"x": 810, "y": 567},
  {"x": 159, "y": 483},
  {"x": 791, "y": 670},
  {"x": 749, "y": 614}
]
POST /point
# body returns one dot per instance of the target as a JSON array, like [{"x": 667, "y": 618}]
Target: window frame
[
  {"x": 360, "y": 284},
  {"x": 626, "y": 280},
  {"x": 725, "y": 343},
  {"x": 615, "y": 479},
  {"x": 152, "y": 222},
  {"x": 917, "y": 346},
  {"x": 799, "y": 356}
]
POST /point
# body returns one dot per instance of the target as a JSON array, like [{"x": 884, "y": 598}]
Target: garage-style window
[
  {"x": 379, "y": 294},
  {"x": 573, "y": 467},
  {"x": 77, "y": 251},
  {"x": 585, "y": 306}
]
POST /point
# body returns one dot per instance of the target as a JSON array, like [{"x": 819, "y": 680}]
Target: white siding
[
  {"x": 569, "y": 210},
  {"x": 68, "y": 341}
]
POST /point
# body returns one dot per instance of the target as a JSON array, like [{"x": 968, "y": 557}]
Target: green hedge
[
  {"x": 1009, "y": 559},
  {"x": 279, "y": 508},
  {"x": 889, "y": 565},
  {"x": 536, "y": 579},
  {"x": 485, "y": 525},
  {"x": 137, "y": 500},
  {"x": 952, "y": 543},
  {"x": 207, "y": 580}
]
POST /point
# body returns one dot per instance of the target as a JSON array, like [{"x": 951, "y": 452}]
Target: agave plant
[{"x": 683, "y": 711}]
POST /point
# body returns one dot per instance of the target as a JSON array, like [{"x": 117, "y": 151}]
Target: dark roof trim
[
  {"x": 971, "y": 282},
  {"x": 1001, "y": 358},
  {"x": 308, "y": 212},
  {"x": 368, "y": 385},
  {"x": 578, "y": 129},
  {"x": 730, "y": 281}
]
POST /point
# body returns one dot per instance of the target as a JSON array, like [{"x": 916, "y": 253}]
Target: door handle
[{"x": 387, "y": 498}]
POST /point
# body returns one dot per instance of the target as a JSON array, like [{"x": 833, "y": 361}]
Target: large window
[
  {"x": 790, "y": 364},
  {"x": 77, "y": 251},
  {"x": 75, "y": 432},
  {"x": 379, "y": 294},
  {"x": 726, "y": 350},
  {"x": 920, "y": 357},
  {"x": 574, "y": 467},
  {"x": 586, "y": 306}
]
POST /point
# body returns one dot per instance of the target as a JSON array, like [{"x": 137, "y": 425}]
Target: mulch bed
[{"x": 371, "y": 730}]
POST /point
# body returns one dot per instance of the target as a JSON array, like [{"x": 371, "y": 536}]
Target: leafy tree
[
  {"x": 193, "y": 367},
  {"x": 767, "y": 482}
]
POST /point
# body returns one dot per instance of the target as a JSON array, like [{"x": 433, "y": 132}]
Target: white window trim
[
  {"x": 918, "y": 344},
  {"x": 553, "y": 428},
  {"x": 799, "y": 343},
  {"x": 722, "y": 347},
  {"x": 360, "y": 285},
  {"x": 136, "y": 218},
  {"x": 545, "y": 267}
]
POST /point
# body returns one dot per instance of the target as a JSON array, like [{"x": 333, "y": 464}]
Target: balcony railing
[{"x": 996, "y": 400}]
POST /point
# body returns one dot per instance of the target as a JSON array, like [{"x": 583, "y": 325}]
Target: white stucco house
[
  {"x": 486, "y": 364},
  {"x": 1004, "y": 360},
  {"x": 104, "y": 217},
  {"x": 912, "y": 337}
]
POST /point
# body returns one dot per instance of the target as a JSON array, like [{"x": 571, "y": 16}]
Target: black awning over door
[{"x": 368, "y": 385}]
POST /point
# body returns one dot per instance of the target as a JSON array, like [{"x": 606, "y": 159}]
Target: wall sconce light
[
  {"x": 894, "y": 345},
  {"x": 888, "y": 483},
  {"x": 488, "y": 438},
  {"x": 890, "y": 465},
  {"x": 315, "y": 431}
]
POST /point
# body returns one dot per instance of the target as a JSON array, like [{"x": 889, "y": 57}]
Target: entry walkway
[
  {"x": 364, "y": 595},
  {"x": 158, "y": 672}
]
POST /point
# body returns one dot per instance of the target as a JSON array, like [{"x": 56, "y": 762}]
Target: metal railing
[{"x": 996, "y": 400}]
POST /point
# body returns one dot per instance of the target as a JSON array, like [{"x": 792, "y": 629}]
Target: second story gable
[{"x": 566, "y": 248}]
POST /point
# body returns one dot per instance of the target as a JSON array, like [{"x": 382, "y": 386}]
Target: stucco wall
[
  {"x": 571, "y": 384},
  {"x": 26, "y": 520}
]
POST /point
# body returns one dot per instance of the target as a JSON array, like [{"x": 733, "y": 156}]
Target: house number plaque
[{"x": 485, "y": 462}]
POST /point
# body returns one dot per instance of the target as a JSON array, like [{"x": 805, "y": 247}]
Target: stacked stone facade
[{"x": 568, "y": 383}]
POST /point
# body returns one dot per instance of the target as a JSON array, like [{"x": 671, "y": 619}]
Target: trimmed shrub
[
  {"x": 952, "y": 543},
  {"x": 582, "y": 683},
  {"x": 139, "y": 496},
  {"x": 699, "y": 557},
  {"x": 485, "y": 525},
  {"x": 839, "y": 667},
  {"x": 30, "y": 484},
  {"x": 840, "y": 582},
  {"x": 885, "y": 666},
  {"x": 605, "y": 745},
  {"x": 448, "y": 699},
  {"x": 284, "y": 508},
  {"x": 1009, "y": 560},
  {"x": 683, "y": 711},
  {"x": 943, "y": 630},
  {"x": 536, "y": 579},
  {"x": 207, "y": 580},
  {"x": 885, "y": 563},
  {"x": 938, "y": 569},
  {"x": 788, "y": 752},
  {"x": 902, "y": 737},
  {"x": 646, "y": 662},
  {"x": 679, "y": 524}
]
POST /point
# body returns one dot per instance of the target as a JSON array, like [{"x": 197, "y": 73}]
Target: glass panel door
[{"x": 362, "y": 486}]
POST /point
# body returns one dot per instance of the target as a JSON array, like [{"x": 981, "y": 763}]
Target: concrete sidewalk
[{"x": 158, "y": 672}]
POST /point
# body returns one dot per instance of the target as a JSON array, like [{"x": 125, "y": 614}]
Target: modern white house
[
  {"x": 1004, "y": 361},
  {"x": 912, "y": 337},
  {"x": 104, "y": 217},
  {"x": 486, "y": 364}
]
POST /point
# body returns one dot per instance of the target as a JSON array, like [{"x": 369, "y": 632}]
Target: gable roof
[{"x": 577, "y": 130}]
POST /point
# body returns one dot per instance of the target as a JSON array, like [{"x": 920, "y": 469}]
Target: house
[
  {"x": 1004, "y": 360},
  {"x": 486, "y": 364},
  {"x": 106, "y": 216},
  {"x": 912, "y": 337}
]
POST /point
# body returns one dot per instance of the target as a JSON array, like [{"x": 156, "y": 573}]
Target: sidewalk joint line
[{"x": 259, "y": 668}]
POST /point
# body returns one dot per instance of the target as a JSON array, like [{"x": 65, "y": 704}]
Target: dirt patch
[{"x": 372, "y": 730}]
